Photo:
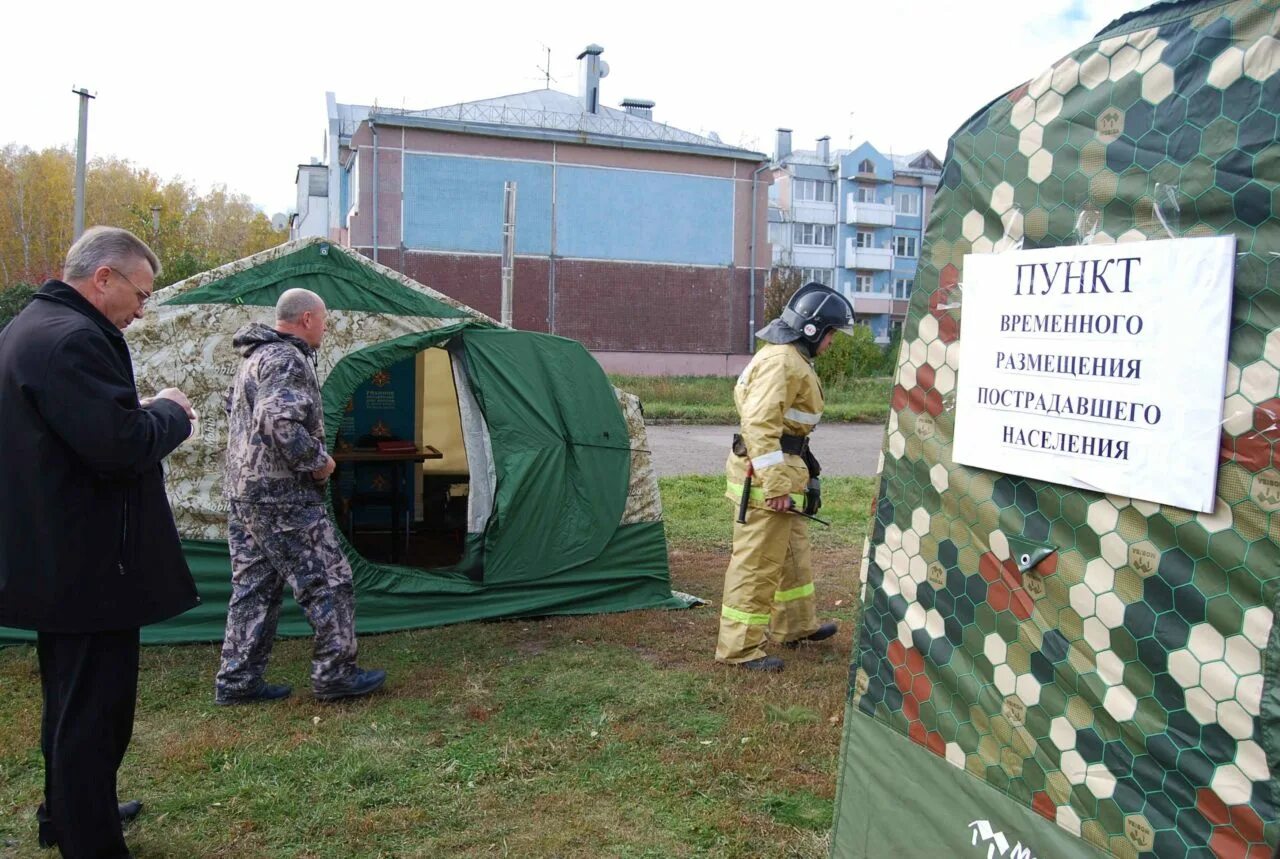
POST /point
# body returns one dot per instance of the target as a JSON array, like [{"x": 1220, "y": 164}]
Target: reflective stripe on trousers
[
  {"x": 768, "y": 585},
  {"x": 757, "y": 494}
]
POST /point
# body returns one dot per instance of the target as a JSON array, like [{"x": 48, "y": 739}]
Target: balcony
[
  {"x": 872, "y": 303},
  {"x": 877, "y": 303},
  {"x": 868, "y": 214},
  {"x": 871, "y": 259}
]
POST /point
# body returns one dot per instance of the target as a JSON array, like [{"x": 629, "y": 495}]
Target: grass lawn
[
  {"x": 593, "y": 736},
  {"x": 709, "y": 399}
]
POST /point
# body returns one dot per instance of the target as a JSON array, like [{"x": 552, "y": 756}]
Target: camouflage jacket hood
[
  {"x": 275, "y": 421},
  {"x": 255, "y": 334}
]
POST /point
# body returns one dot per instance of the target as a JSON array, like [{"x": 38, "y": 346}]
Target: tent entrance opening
[{"x": 401, "y": 488}]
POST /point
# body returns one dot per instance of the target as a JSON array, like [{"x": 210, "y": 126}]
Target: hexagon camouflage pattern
[
  {"x": 1117, "y": 689},
  {"x": 189, "y": 346}
]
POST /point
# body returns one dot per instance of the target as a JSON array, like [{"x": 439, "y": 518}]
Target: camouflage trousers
[{"x": 271, "y": 544}]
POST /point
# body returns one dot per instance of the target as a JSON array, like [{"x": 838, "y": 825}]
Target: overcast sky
[{"x": 233, "y": 92}]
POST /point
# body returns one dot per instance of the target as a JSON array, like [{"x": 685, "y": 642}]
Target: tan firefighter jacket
[{"x": 777, "y": 393}]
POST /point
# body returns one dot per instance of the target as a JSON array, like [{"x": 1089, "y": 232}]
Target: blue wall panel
[
  {"x": 455, "y": 204},
  {"x": 851, "y": 161},
  {"x": 643, "y": 216}
]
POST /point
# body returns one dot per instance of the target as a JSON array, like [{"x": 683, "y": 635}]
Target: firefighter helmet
[{"x": 816, "y": 309}]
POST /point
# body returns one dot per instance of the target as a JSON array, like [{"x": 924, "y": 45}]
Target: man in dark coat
[{"x": 88, "y": 547}]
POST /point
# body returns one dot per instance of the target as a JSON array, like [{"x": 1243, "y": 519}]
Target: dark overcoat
[{"x": 87, "y": 538}]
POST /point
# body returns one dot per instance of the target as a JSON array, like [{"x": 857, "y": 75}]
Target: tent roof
[{"x": 359, "y": 283}]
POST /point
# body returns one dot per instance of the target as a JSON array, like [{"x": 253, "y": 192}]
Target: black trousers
[{"x": 90, "y": 685}]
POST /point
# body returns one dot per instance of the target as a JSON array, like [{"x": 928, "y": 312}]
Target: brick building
[{"x": 631, "y": 236}]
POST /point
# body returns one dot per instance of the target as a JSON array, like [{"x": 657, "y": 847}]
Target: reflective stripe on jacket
[{"x": 777, "y": 393}]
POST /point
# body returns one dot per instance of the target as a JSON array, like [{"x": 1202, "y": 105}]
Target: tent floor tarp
[{"x": 405, "y": 598}]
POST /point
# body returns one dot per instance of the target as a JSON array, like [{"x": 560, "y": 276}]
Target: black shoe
[
  {"x": 822, "y": 633},
  {"x": 128, "y": 811},
  {"x": 361, "y": 683},
  {"x": 772, "y": 664},
  {"x": 265, "y": 692}
]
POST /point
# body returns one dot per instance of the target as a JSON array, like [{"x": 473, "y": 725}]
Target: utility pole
[
  {"x": 81, "y": 143},
  {"x": 508, "y": 249}
]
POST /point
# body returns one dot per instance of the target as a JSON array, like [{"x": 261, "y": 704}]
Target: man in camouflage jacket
[{"x": 279, "y": 528}]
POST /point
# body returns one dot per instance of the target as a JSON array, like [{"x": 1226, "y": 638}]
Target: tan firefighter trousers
[{"x": 768, "y": 586}]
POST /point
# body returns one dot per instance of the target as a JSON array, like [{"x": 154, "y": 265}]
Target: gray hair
[
  {"x": 109, "y": 246},
  {"x": 295, "y": 302}
]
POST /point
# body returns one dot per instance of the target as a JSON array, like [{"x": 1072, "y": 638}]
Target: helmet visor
[{"x": 835, "y": 312}]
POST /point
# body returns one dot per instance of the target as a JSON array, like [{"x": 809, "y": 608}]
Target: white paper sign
[{"x": 1098, "y": 367}]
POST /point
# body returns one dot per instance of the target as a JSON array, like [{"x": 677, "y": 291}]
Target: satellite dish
[{"x": 604, "y": 69}]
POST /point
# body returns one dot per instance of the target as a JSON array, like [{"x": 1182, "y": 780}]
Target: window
[
  {"x": 863, "y": 283},
  {"x": 926, "y": 162},
  {"x": 907, "y": 203},
  {"x": 823, "y": 235},
  {"x": 864, "y": 193},
  {"x": 905, "y": 246},
  {"x": 902, "y": 287},
  {"x": 864, "y": 239},
  {"x": 815, "y": 190},
  {"x": 818, "y": 275},
  {"x": 867, "y": 166}
]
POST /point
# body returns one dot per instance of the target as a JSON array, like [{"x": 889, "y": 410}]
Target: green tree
[
  {"x": 13, "y": 299},
  {"x": 784, "y": 280},
  {"x": 856, "y": 356},
  {"x": 889, "y": 364}
]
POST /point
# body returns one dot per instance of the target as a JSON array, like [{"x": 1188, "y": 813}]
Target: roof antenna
[{"x": 546, "y": 71}]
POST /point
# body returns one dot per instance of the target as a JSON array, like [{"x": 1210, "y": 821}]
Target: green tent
[
  {"x": 1043, "y": 670},
  {"x": 545, "y": 474}
]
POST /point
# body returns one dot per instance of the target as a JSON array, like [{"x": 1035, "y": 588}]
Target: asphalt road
[{"x": 845, "y": 450}]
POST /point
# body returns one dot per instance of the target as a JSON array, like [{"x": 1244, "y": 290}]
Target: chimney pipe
[
  {"x": 591, "y": 70},
  {"x": 824, "y": 149},
  {"x": 783, "y": 147}
]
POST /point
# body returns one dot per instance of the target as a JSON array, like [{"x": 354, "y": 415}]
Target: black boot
[
  {"x": 822, "y": 633},
  {"x": 128, "y": 811}
]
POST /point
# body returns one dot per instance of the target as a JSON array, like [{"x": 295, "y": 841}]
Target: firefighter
[{"x": 768, "y": 586}]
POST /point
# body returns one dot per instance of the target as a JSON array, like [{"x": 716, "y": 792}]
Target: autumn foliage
[{"x": 189, "y": 232}]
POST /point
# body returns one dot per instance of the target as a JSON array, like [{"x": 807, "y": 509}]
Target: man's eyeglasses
[{"x": 142, "y": 296}]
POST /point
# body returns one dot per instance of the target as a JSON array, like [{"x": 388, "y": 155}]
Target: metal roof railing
[{"x": 614, "y": 123}]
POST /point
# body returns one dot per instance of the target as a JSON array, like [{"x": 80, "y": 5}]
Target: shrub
[
  {"x": 13, "y": 298},
  {"x": 784, "y": 280}
]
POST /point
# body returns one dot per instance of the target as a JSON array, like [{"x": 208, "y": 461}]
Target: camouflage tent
[
  {"x": 562, "y": 508},
  {"x": 1118, "y": 698}
]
